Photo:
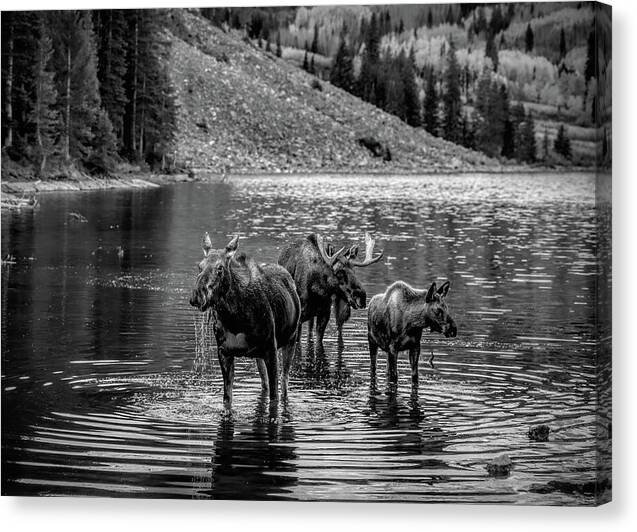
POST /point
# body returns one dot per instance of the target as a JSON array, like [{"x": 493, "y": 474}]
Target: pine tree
[
  {"x": 75, "y": 61},
  {"x": 314, "y": 48},
  {"x": 488, "y": 126},
  {"x": 545, "y": 144},
  {"x": 562, "y": 44},
  {"x": 306, "y": 64},
  {"x": 518, "y": 116},
  {"x": 43, "y": 116},
  {"x": 590, "y": 69},
  {"x": 268, "y": 48},
  {"x": 562, "y": 143},
  {"x": 311, "y": 69},
  {"x": 491, "y": 51},
  {"x": 412, "y": 100},
  {"x": 451, "y": 103},
  {"x": 111, "y": 30},
  {"x": 468, "y": 134},
  {"x": 430, "y": 19},
  {"x": 528, "y": 148},
  {"x": 279, "y": 51},
  {"x": 430, "y": 107},
  {"x": 149, "y": 121},
  {"x": 508, "y": 146},
  {"x": 528, "y": 39},
  {"x": 342, "y": 71},
  {"x": 368, "y": 81}
]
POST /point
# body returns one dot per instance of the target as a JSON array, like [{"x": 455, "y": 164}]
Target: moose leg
[
  {"x": 272, "y": 365},
  {"x": 392, "y": 366},
  {"x": 414, "y": 355},
  {"x": 322, "y": 318},
  {"x": 288, "y": 357},
  {"x": 373, "y": 352},
  {"x": 342, "y": 312},
  {"x": 263, "y": 372},
  {"x": 227, "y": 370}
]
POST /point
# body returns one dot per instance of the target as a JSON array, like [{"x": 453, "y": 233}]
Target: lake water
[{"x": 102, "y": 393}]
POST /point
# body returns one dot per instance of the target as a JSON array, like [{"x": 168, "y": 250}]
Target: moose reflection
[
  {"x": 256, "y": 311},
  {"x": 323, "y": 275},
  {"x": 396, "y": 319}
]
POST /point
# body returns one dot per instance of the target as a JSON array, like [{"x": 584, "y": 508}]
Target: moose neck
[
  {"x": 232, "y": 300},
  {"x": 417, "y": 310}
]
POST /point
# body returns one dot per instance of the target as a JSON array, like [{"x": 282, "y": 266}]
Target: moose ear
[
  {"x": 430, "y": 293},
  {"x": 206, "y": 244},
  {"x": 231, "y": 246},
  {"x": 444, "y": 289}
]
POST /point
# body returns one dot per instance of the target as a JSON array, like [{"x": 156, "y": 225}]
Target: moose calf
[{"x": 396, "y": 319}]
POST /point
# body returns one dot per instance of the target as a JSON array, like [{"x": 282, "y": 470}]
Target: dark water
[{"x": 99, "y": 390}]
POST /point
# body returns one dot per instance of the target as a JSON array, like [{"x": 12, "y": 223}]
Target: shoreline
[{"x": 18, "y": 194}]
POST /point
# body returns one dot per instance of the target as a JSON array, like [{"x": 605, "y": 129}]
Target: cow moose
[
  {"x": 256, "y": 310},
  {"x": 396, "y": 319},
  {"x": 322, "y": 274}
]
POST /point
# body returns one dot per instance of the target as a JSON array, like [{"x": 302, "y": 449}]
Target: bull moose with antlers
[
  {"x": 321, "y": 275},
  {"x": 256, "y": 311}
]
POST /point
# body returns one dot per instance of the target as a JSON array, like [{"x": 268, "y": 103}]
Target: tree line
[{"x": 86, "y": 89}]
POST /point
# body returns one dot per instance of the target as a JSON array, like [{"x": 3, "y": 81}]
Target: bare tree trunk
[
  {"x": 8, "y": 141},
  {"x": 141, "y": 120},
  {"x": 134, "y": 95},
  {"x": 67, "y": 132}
]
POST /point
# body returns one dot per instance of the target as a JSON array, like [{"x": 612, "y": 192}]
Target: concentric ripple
[{"x": 107, "y": 390}]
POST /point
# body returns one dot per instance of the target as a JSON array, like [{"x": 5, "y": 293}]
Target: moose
[
  {"x": 256, "y": 311},
  {"x": 396, "y": 319},
  {"x": 321, "y": 275}
]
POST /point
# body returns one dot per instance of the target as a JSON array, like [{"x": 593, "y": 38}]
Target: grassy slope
[{"x": 243, "y": 109}]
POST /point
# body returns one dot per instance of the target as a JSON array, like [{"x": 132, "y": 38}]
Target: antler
[
  {"x": 206, "y": 243},
  {"x": 369, "y": 253},
  {"x": 324, "y": 250}
]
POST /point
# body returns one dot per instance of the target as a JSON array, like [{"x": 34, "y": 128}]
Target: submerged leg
[
  {"x": 227, "y": 371},
  {"x": 373, "y": 352},
  {"x": 288, "y": 356},
  {"x": 342, "y": 312},
  {"x": 392, "y": 366},
  {"x": 414, "y": 355},
  {"x": 272, "y": 365},
  {"x": 322, "y": 318},
  {"x": 263, "y": 372}
]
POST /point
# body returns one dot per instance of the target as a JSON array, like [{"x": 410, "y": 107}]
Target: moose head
[
  {"x": 214, "y": 273},
  {"x": 436, "y": 311},
  {"x": 343, "y": 262}
]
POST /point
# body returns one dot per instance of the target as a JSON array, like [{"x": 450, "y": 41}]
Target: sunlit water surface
[{"x": 102, "y": 395}]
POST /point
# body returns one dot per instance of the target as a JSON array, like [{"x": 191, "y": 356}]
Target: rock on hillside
[{"x": 244, "y": 110}]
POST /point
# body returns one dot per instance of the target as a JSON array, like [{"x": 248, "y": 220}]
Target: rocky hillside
[{"x": 243, "y": 109}]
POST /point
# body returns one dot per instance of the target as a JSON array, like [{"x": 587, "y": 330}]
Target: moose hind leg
[
  {"x": 373, "y": 352},
  {"x": 322, "y": 318},
  {"x": 272, "y": 366},
  {"x": 392, "y": 366},
  {"x": 414, "y": 355},
  {"x": 227, "y": 370},
  {"x": 287, "y": 358},
  {"x": 263, "y": 372}
]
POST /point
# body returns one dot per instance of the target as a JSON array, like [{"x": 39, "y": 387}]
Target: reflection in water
[
  {"x": 99, "y": 396},
  {"x": 254, "y": 461}
]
